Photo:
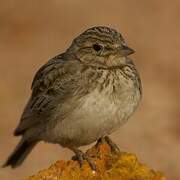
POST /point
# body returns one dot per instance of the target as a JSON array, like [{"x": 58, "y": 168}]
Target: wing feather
[{"x": 50, "y": 84}]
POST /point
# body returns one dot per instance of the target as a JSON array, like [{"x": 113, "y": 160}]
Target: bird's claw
[
  {"x": 80, "y": 157},
  {"x": 113, "y": 146}
]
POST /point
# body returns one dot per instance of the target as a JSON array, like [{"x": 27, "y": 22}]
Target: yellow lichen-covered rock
[{"x": 110, "y": 166}]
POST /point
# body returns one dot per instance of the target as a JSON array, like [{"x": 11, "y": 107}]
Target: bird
[{"x": 80, "y": 96}]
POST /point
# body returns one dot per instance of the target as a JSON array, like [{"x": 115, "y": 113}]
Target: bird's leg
[
  {"x": 80, "y": 157},
  {"x": 100, "y": 141},
  {"x": 113, "y": 146}
]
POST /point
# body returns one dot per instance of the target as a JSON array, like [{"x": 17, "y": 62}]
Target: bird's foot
[
  {"x": 80, "y": 157},
  {"x": 113, "y": 146}
]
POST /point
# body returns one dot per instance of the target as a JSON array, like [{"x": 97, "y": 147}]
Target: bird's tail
[{"x": 19, "y": 154}]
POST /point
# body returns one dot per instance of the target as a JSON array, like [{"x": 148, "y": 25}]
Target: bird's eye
[{"x": 97, "y": 47}]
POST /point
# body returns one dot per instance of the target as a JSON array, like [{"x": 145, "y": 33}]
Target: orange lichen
[{"x": 110, "y": 166}]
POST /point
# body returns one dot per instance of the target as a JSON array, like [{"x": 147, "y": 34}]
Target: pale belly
[{"x": 96, "y": 117}]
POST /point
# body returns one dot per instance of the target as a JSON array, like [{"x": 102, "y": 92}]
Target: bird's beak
[{"x": 125, "y": 51}]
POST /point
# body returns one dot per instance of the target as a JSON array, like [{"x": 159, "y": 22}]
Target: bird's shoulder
[{"x": 52, "y": 74}]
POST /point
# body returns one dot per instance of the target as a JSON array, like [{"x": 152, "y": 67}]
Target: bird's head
[{"x": 100, "y": 46}]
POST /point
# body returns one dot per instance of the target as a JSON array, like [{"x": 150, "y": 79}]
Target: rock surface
[{"x": 110, "y": 166}]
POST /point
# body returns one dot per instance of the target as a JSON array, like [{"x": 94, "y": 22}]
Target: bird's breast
[
  {"x": 100, "y": 112},
  {"x": 111, "y": 103}
]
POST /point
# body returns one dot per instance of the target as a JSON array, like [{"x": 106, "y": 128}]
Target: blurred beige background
[{"x": 31, "y": 32}]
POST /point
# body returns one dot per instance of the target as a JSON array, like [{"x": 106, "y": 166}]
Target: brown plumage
[{"x": 80, "y": 96}]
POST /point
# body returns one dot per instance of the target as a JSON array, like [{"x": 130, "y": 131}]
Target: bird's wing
[{"x": 52, "y": 84}]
